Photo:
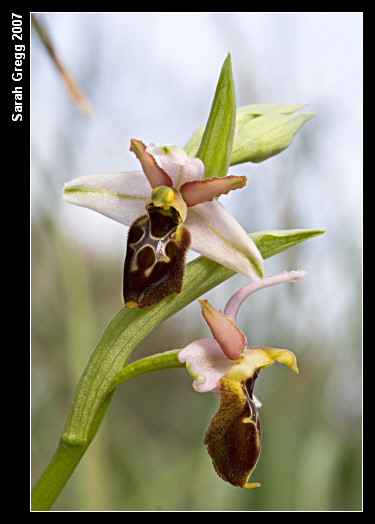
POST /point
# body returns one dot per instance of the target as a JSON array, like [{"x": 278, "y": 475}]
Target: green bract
[
  {"x": 216, "y": 140},
  {"x": 261, "y": 131}
]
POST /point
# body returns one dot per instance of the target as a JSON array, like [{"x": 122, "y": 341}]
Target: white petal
[
  {"x": 216, "y": 234},
  {"x": 206, "y": 363},
  {"x": 120, "y": 196},
  {"x": 177, "y": 164}
]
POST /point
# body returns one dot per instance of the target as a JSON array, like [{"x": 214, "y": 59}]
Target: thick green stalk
[
  {"x": 63, "y": 464},
  {"x": 67, "y": 457}
]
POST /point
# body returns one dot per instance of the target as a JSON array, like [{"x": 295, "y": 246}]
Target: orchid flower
[
  {"x": 227, "y": 367},
  {"x": 169, "y": 208}
]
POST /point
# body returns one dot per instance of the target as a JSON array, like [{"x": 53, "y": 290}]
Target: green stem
[
  {"x": 67, "y": 457},
  {"x": 157, "y": 362},
  {"x": 63, "y": 464}
]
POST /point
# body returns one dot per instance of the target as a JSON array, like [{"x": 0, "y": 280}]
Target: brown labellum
[
  {"x": 155, "y": 258},
  {"x": 233, "y": 438}
]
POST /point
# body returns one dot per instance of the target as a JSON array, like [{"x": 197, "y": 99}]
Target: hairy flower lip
[{"x": 214, "y": 231}]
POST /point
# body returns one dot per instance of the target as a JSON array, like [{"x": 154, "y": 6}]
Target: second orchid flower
[{"x": 227, "y": 367}]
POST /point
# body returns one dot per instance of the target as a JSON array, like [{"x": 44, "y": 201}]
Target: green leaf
[
  {"x": 251, "y": 111},
  {"x": 217, "y": 140},
  {"x": 261, "y": 131},
  {"x": 272, "y": 242},
  {"x": 266, "y": 136},
  {"x": 265, "y": 109}
]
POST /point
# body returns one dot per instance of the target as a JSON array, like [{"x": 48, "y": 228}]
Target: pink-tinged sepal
[
  {"x": 206, "y": 363},
  {"x": 154, "y": 173},
  {"x": 230, "y": 338},
  {"x": 155, "y": 259},
  {"x": 200, "y": 191}
]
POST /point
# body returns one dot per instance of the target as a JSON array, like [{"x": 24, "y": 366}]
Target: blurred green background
[{"x": 152, "y": 76}]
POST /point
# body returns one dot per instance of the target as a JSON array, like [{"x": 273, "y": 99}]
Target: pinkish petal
[
  {"x": 206, "y": 364},
  {"x": 216, "y": 234},
  {"x": 225, "y": 332},
  {"x": 236, "y": 300},
  {"x": 154, "y": 173},
  {"x": 177, "y": 164},
  {"x": 205, "y": 190}
]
